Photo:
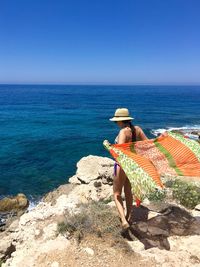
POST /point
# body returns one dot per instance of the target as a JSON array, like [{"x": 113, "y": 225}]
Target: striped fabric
[{"x": 144, "y": 161}]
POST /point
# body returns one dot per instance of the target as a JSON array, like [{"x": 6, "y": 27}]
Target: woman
[{"x": 128, "y": 133}]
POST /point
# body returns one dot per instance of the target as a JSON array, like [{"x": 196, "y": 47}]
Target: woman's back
[{"x": 130, "y": 134}]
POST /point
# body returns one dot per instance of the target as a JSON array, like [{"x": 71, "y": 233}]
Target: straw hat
[{"x": 121, "y": 114}]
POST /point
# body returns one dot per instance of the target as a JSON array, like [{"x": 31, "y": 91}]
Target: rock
[
  {"x": 3, "y": 218},
  {"x": 93, "y": 179},
  {"x": 50, "y": 231},
  {"x": 97, "y": 184},
  {"x": 17, "y": 203},
  {"x": 7, "y": 218},
  {"x": 13, "y": 225},
  {"x": 197, "y": 207},
  {"x": 55, "y": 264},
  {"x": 6, "y": 248},
  {"x": 74, "y": 180},
  {"x": 170, "y": 221},
  {"x": 107, "y": 180},
  {"x": 91, "y": 168},
  {"x": 189, "y": 133},
  {"x": 11, "y": 208},
  {"x": 89, "y": 251},
  {"x": 52, "y": 196},
  {"x": 196, "y": 214},
  {"x": 157, "y": 231},
  {"x": 87, "y": 192},
  {"x": 143, "y": 227},
  {"x": 195, "y": 133},
  {"x": 29, "y": 252},
  {"x": 152, "y": 214},
  {"x": 33, "y": 240}
]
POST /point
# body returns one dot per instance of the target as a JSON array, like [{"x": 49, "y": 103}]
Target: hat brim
[{"x": 121, "y": 119}]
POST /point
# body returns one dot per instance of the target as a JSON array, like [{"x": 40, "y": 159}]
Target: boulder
[
  {"x": 92, "y": 168},
  {"x": 11, "y": 208},
  {"x": 93, "y": 179},
  {"x": 17, "y": 203}
]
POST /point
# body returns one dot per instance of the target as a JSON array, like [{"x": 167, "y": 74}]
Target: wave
[
  {"x": 189, "y": 131},
  {"x": 32, "y": 205},
  {"x": 33, "y": 201}
]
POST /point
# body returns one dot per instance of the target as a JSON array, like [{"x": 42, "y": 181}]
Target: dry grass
[{"x": 96, "y": 220}]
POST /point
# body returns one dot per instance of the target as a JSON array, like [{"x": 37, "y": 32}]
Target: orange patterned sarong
[{"x": 144, "y": 161}]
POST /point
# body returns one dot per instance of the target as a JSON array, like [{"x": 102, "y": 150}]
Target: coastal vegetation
[
  {"x": 186, "y": 193},
  {"x": 94, "y": 219},
  {"x": 183, "y": 192},
  {"x": 157, "y": 195}
]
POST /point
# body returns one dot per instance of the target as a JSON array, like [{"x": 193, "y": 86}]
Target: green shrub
[
  {"x": 107, "y": 200},
  {"x": 157, "y": 195},
  {"x": 186, "y": 193}
]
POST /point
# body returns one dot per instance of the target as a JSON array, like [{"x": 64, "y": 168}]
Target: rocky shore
[
  {"x": 163, "y": 232},
  {"x": 190, "y": 133}
]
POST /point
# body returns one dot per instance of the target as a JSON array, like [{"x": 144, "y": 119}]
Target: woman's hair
[{"x": 128, "y": 122}]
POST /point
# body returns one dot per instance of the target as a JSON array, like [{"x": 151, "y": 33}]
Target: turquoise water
[{"x": 46, "y": 129}]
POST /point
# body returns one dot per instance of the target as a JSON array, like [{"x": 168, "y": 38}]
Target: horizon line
[{"x": 106, "y": 84}]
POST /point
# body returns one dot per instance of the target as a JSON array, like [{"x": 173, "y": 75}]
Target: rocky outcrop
[
  {"x": 17, "y": 203},
  {"x": 11, "y": 208},
  {"x": 189, "y": 133},
  {"x": 93, "y": 169},
  {"x": 33, "y": 239},
  {"x": 36, "y": 227},
  {"x": 52, "y": 197},
  {"x": 172, "y": 221},
  {"x": 92, "y": 182}
]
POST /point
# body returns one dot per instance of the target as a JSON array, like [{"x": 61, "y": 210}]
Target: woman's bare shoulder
[
  {"x": 138, "y": 128},
  {"x": 125, "y": 130},
  {"x": 122, "y": 131}
]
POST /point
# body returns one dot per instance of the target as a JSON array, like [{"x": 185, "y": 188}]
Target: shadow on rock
[{"x": 154, "y": 232}]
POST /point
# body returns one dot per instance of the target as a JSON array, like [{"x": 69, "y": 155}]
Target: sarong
[{"x": 145, "y": 161}]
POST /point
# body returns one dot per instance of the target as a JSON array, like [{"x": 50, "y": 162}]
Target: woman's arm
[{"x": 121, "y": 137}]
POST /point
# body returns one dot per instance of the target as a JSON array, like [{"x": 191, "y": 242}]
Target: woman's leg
[
  {"x": 129, "y": 198},
  {"x": 118, "y": 183}
]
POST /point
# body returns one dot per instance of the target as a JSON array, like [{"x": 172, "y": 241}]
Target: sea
[{"x": 46, "y": 129}]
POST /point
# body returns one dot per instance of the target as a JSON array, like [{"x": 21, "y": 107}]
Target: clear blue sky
[{"x": 100, "y": 41}]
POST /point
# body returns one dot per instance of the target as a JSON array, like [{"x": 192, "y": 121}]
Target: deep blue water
[{"x": 45, "y": 130}]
